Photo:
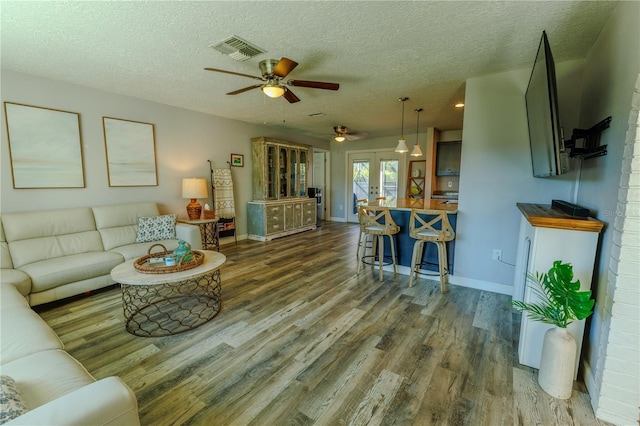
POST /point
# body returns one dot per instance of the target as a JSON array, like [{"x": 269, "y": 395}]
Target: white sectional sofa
[
  {"x": 47, "y": 256},
  {"x": 54, "y": 254}
]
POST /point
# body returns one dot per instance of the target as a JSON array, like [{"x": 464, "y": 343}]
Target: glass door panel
[
  {"x": 293, "y": 172},
  {"x": 372, "y": 175},
  {"x": 389, "y": 179},
  {"x": 272, "y": 172},
  {"x": 283, "y": 162},
  {"x": 302, "y": 170}
]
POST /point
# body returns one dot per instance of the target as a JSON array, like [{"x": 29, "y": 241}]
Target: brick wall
[{"x": 619, "y": 398}]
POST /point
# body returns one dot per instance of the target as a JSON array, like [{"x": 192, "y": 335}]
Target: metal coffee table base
[{"x": 171, "y": 308}]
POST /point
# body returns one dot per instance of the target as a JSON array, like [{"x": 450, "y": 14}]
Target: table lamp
[{"x": 194, "y": 188}]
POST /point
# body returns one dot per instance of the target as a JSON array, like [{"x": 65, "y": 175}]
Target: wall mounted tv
[{"x": 548, "y": 154}]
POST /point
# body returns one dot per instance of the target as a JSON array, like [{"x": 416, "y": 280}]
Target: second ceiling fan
[{"x": 273, "y": 72}]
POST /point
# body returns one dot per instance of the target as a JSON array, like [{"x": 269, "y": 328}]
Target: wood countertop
[
  {"x": 419, "y": 203},
  {"x": 544, "y": 216}
]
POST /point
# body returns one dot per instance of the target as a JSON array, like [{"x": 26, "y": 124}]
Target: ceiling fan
[
  {"x": 273, "y": 72},
  {"x": 341, "y": 133}
]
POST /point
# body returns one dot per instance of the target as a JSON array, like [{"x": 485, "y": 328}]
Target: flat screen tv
[{"x": 548, "y": 154}]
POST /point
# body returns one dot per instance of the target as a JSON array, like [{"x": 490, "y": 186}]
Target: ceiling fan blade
[
  {"x": 244, "y": 89},
  {"x": 284, "y": 67},
  {"x": 290, "y": 96},
  {"x": 314, "y": 84},
  {"x": 234, "y": 73}
]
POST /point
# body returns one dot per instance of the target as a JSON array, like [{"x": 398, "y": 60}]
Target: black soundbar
[{"x": 572, "y": 209}]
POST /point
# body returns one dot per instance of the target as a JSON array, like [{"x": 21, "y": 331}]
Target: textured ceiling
[{"x": 377, "y": 51}]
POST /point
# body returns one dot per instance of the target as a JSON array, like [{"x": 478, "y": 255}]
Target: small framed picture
[{"x": 237, "y": 160}]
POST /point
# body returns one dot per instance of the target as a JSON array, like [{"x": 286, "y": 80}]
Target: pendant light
[
  {"x": 417, "y": 152},
  {"x": 402, "y": 146}
]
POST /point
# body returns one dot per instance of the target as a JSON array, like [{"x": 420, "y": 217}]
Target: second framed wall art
[{"x": 131, "y": 152}]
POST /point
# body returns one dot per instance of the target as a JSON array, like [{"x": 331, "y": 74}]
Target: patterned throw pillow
[
  {"x": 156, "y": 228},
  {"x": 11, "y": 403}
]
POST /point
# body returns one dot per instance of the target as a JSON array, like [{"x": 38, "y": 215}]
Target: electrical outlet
[
  {"x": 497, "y": 254},
  {"x": 449, "y": 184}
]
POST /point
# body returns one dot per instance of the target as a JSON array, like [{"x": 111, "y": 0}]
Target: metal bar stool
[
  {"x": 430, "y": 226},
  {"x": 377, "y": 222}
]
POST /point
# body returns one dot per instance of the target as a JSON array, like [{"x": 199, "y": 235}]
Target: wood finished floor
[{"x": 302, "y": 340}]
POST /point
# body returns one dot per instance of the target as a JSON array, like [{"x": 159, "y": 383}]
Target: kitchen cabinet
[
  {"x": 280, "y": 205},
  {"x": 547, "y": 235}
]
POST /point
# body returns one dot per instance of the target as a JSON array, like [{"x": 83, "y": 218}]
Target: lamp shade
[
  {"x": 402, "y": 146},
  {"x": 339, "y": 138},
  {"x": 417, "y": 152},
  {"x": 273, "y": 91},
  {"x": 194, "y": 188}
]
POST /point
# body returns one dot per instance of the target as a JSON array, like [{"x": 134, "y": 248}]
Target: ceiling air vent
[{"x": 237, "y": 48}]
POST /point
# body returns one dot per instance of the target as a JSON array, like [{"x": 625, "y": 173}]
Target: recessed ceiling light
[{"x": 459, "y": 105}]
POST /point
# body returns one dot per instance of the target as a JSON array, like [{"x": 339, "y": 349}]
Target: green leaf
[{"x": 561, "y": 301}]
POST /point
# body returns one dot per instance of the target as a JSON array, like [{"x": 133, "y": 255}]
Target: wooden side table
[{"x": 208, "y": 231}]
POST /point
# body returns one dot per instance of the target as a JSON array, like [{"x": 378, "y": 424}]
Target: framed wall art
[
  {"x": 131, "y": 152},
  {"x": 45, "y": 147},
  {"x": 237, "y": 160}
]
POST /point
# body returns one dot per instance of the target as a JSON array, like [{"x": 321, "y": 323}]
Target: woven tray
[{"x": 142, "y": 264}]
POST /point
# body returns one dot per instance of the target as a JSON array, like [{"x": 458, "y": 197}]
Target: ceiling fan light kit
[
  {"x": 402, "y": 146},
  {"x": 273, "y": 90},
  {"x": 417, "y": 152},
  {"x": 340, "y": 131}
]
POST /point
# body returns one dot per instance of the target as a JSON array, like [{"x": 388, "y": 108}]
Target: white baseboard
[
  {"x": 337, "y": 219},
  {"x": 463, "y": 281}
]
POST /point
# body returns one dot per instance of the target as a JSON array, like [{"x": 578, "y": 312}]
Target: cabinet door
[
  {"x": 302, "y": 172},
  {"x": 293, "y": 172},
  {"x": 271, "y": 178},
  {"x": 297, "y": 215},
  {"x": 283, "y": 173},
  {"x": 288, "y": 217}
]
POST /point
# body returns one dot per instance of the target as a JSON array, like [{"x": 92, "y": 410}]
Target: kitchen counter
[{"x": 418, "y": 203}]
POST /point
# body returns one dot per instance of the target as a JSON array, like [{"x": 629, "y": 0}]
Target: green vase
[{"x": 183, "y": 252}]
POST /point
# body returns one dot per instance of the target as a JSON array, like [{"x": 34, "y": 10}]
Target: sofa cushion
[
  {"x": 11, "y": 402},
  {"x": 55, "y": 272},
  {"x": 45, "y": 223},
  {"x": 47, "y": 375},
  {"x": 11, "y": 297},
  {"x": 16, "y": 278},
  {"x": 156, "y": 228},
  {"x": 23, "y": 333},
  {"x": 137, "y": 250},
  {"x": 118, "y": 223}
]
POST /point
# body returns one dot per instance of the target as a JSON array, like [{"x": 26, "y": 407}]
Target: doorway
[
  {"x": 371, "y": 175},
  {"x": 321, "y": 180}
]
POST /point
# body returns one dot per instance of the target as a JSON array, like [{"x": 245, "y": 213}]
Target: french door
[{"x": 372, "y": 175}]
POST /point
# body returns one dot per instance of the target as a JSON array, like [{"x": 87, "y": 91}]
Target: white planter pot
[{"x": 557, "y": 363}]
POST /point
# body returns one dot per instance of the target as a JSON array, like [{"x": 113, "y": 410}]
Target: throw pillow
[
  {"x": 155, "y": 228},
  {"x": 11, "y": 403}
]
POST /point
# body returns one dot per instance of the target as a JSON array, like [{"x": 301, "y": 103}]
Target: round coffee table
[{"x": 165, "y": 304}]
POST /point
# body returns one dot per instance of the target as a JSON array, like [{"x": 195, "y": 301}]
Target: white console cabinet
[{"x": 547, "y": 235}]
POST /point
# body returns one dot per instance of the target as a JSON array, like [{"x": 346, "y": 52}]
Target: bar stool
[
  {"x": 376, "y": 222},
  {"x": 430, "y": 226},
  {"x": 367, "y": 243}
]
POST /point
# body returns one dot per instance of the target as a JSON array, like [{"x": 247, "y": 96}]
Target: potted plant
[{"x": 561, "y": 303}]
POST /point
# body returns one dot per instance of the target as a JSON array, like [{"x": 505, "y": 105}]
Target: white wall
[
  {"x": 184, "y": 141},
  {"x": 496, "y": 170}
]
